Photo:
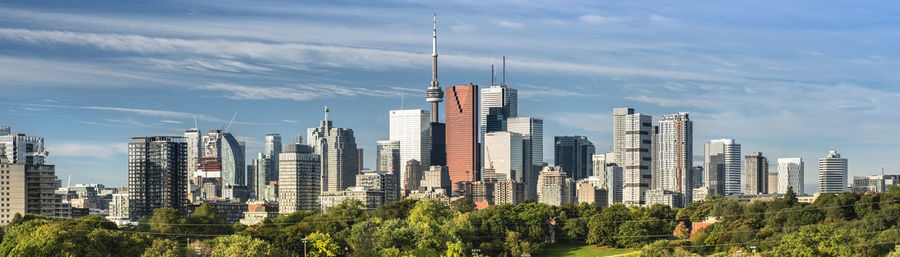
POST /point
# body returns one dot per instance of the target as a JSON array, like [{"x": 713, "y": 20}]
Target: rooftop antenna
[
  {"x": 504, "y": 71},
  {"x": 69, "y": 183},
  {"x": 229, "y": 122},
  {"x": 326, "y": 113},
  {"x": 401, "y": 98},
  {"x": 492, "y": 72},
  {"x": 197, "y": 127}
]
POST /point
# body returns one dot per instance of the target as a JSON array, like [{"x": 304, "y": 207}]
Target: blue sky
[{"x": 789, "y": 79}]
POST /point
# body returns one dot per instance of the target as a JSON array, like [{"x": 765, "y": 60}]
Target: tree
[
  {"x": 395, "y": 210},
  {"x": 321, "y": 245},
  {"x": 167, "y": 248},
  {"x": 462, "y": 205},
  {"x": 361, "y": 236},
  {"x": 243, "y": 245},
  {"x": 165, "y": 221},
  {"x": 206, "y": 220},
  {"x": 603, "y": 227},
  {"x": 427, "y": 220},
  {"x": 515, "y": 246},
  {"x": 681, "y": 231}
]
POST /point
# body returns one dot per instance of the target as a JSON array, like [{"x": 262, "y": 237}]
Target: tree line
[{"x": 845, "y": 224}]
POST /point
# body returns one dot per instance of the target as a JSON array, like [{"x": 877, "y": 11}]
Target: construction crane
[{"x": 229, "y": 123}]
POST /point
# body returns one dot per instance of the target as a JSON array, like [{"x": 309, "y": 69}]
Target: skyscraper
[
  {"x": 832, "y": 174},
  {"x": 233, "y": 166},
  {"x": 675, "y": 155},
  {"x": 631, "y": 147},
  {"x": 503, "y": 151},
  {"x": 388, "y": 156},
  {"x": 574, "y": 155},
  {"x": 272, "y": 149},
  {"x": 756, "y": 174},
  {"x": 497, "y": 96},
  {"x": 257, "y": 178},
  {"x": 555, "y": 187},
  {"x": 157, "y": 174},
  {"x": 722, "y": 164},
  {"x": 790, "y": 174},
  {"x": 194, "y": 151},
  {"x": 462, "y": 134},
  {"x": 337, "y": 149},
  {"x": 532, "y": 130},
  {"x": 412, "y": 129},
  {"x": 298, "y": 179}
]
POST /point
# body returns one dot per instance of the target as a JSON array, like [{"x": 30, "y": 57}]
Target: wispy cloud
[
  {"x": 171, "y": 121},
  {"x": 306, "y": 54},
  {"x": 104, "y": 150},
  {"x": 509, "y": 24},
  {"x": 597, "y": 19},
  {"x": 293, "y": 92}
]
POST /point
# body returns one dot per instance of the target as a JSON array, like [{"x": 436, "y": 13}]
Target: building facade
[
  {"x": 756, "y": 174},
  {"x": 555, "y": 187},
  {"x": 832, "y": 174},
  {"x": 674, "y": 152},
  {"x": 298, "y": 179},
  {"x": 157, "y": 175},
  {"x": 722, "y": 165},
  {"x": 413, "y": 130},
  {"x": 874, "y": 183},
  {"x": 337, "y": 149},
  {"x": 503, "y": 156},
  {"x": 387, "y": 156},
  {"x": 463, "y": 160},
  {"x": 790, "y": 174},
  {"x": 379, "y": 180},
  {"x": 574, "y": 155},
  {"x": 632, "y": 149}
]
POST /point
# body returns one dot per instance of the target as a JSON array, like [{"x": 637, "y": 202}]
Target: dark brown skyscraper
[{"x": 462, "y": 133}]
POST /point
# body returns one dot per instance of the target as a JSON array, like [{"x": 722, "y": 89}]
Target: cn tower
[{"x": 434, "y": 95}]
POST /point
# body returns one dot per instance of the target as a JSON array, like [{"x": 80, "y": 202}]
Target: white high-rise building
[
  {"x": 599, "y": 165},
  {"x": 498, "y": 96},
  {"x": 722, "y": 164},
  {"x": 194, "y": 151},
  {"x": 631, "y": 146},
  {"x": 412, "y": 129},
  {"x": 675, "y": 157},
  {"x": 532, "y": 130},
  {"x": 832, "y": 173},
  {"x": 504, "y": 151},
  {"x": 790, "y": 174}
]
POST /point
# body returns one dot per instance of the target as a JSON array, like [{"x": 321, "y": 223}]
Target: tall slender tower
[{"x": 434, "y": 95}]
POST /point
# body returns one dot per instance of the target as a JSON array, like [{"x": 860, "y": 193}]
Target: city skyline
[{"x": 88, "y": 115}]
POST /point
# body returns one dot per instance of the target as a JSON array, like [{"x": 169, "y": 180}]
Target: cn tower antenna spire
[{"x": 434, "y": 95}]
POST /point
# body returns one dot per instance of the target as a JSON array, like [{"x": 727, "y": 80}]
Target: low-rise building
[
  {"x": 370, "y": 198},
  {"x": 231, "y": 211},
  {"x": 257, "y": 211}
]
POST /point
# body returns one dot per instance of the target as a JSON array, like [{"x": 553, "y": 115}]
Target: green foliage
[
  {"x": 663, "y": 248},
  {"x": 241, "y": 246},
  {"x": 395, "y": 210},
  {"x": 167, "y": 248},
  {"x": 462, "y": 205},
  {"x": 165, "y": 221},
  {"x": 321, "y": 245}
]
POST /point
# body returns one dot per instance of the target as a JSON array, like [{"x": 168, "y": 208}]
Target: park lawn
[{"x": 572, "y": 250}]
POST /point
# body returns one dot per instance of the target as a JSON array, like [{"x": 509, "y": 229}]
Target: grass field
[{"x": 586, "y": 251}]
